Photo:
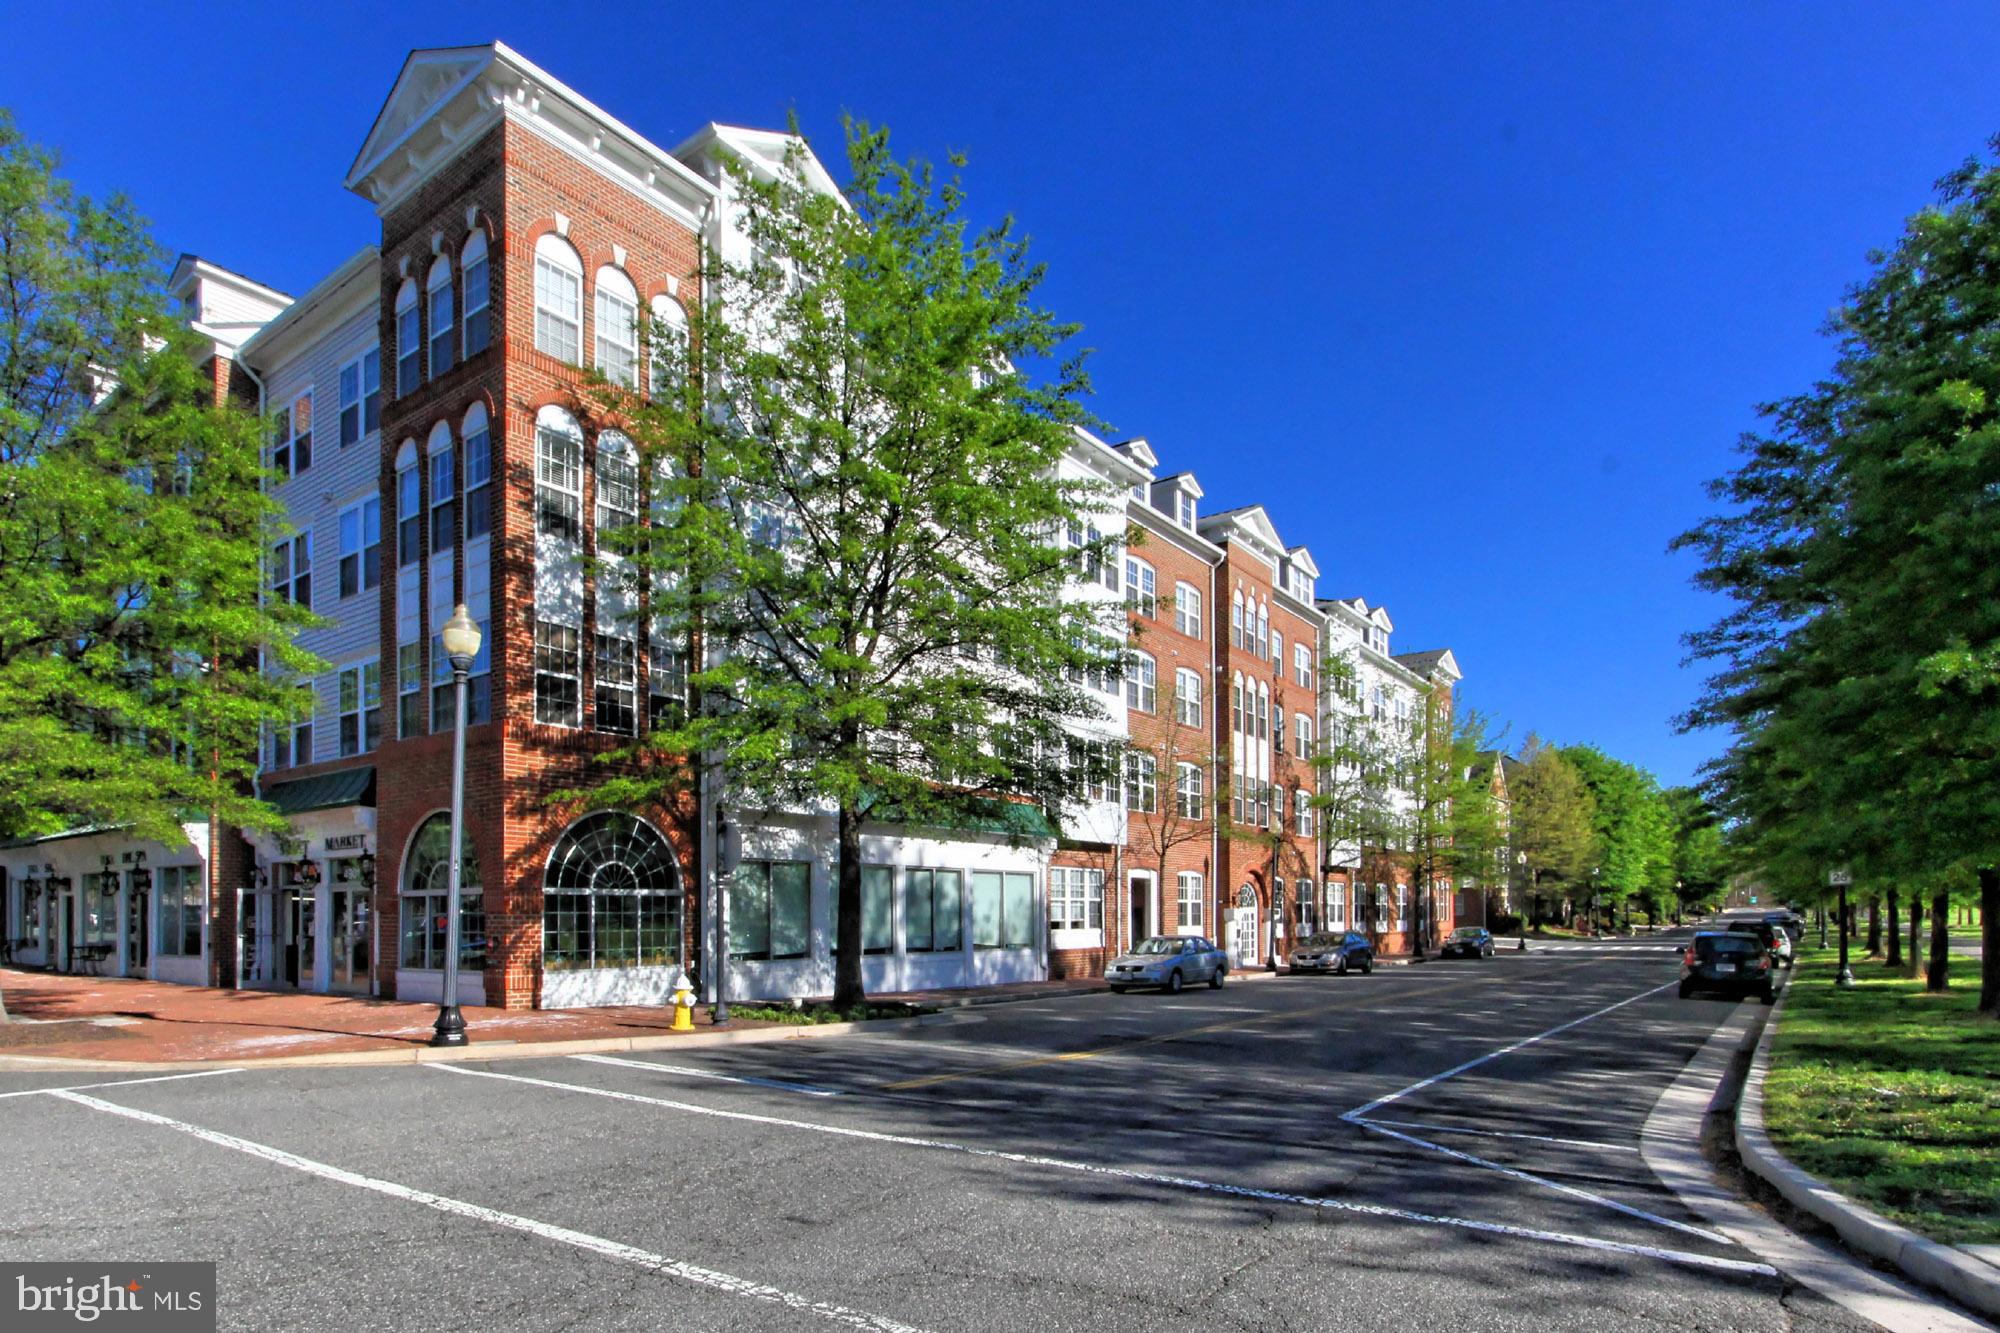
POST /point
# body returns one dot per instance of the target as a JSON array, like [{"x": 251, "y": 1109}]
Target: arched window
[
  {"x": 426, "y": 888},
  {"x": 478, "y": 473},
  {"x": 409, "y": 340},
  {"x": 1236, "y": 726},
  {"x": 444, "y": 490},
  {"x": 444, "y": 324},
  {"x": 611, "y": 896},
  {"x": 1236, "y": 619},
  {"x": 558, "y": 475},
  {"x": 1187, "y": 697},
  {"x": 617, "y": 326},
  {"x": 669, "y": 348},
  {"x": 558, "y": 300},
  {"x": 1263, "y": 630},
  {"x": 617, "y": 483},
  {"x": 474, "y": 273},
  {"x": 1141, "y": 684},
  {"x": 1141, "y": 593},
  {"x": 409, "y": 506},
  {"x": 1187, "y": 610}
]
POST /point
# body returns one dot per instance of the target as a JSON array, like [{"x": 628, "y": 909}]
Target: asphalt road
[{"x": 1445, "y": 1146}]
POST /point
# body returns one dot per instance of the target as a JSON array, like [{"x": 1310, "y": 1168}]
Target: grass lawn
[{"x": 1892, "y": 1096}]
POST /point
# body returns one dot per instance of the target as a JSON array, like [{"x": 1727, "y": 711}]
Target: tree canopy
[{"x": 133, "y": 640}]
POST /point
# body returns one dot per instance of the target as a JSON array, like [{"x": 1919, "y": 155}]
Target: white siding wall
[{"x": 338, "y": 477}]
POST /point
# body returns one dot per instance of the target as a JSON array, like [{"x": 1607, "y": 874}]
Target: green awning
[{"x": 322, "y": 791}]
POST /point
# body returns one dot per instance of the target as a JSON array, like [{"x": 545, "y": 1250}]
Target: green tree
[
  {"x": 1700, "y": 862},
  {"x": 858, "y": 520},
  {"x": 1858, "y": 668},
  {"x": 132, "y": 521},
  {"x": 1552, "y": 820},
  {"x": 1633, "y": 825}
]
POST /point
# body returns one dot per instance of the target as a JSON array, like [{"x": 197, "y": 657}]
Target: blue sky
[{"x": 1472, "y": 297}]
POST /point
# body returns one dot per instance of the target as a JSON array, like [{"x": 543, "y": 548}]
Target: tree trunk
[
  {"x": 847, "y": 988},
  {"x": 1989, "y": 940},
  {"x": 1915, "y": 961},
  {"x": 1874, "y": 926},
  {"x": 1939, "y": 975},
  {"x": 1894, "y": 937}
]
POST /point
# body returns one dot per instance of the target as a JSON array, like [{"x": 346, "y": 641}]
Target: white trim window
[
  {"x": 1141, "y": 683},
  {"x": 444, "y": 492},
  {"x": 617, "y": 702},
  {"x": 361, "y": 397},
  {"x": 475, "y": 273},
  {"x": 1142, "y": 783},
  {"x": 1076, "y": 898},
  {"x": 669, "y": 351},
  {"x": 291, "y": 569},
  {"x": 180, "y": 908},
  {"x": 409, "y": 690},
  {"x": 1187, "y": 610},
  {"x": 293, "y": 744},
  {"x": 558, "y": 300},
  {"x": 1141, "y": 593},
  {"x": 770, "y": 910},
  {"x": 1187, "y": 697},
  {"x": 1264, "y": 630},
  {"x": 361, "y": 546},
  {"x": 1302, "y": 813},
  {"x": 558, "y": 673},
  {"x": 1236, "y": 619},
  {"x": 617, "y": 327},
  {"x": 933, "y": 911},
  {"x": 478, "y": 473},
  {"x": 360, "y": 708},
  {"x": 292, "y": 437},
  {"x": 617, "y": 484},
  {"x": 1302, "y": 724},
  {"x": 1190, "y": 791},
  {"x": 1278, "y": 651},
  {"x": 444, "y": 323},
  {"x": 559, "y": 479},
  {"x": 1402, "y": 907},
  {"x": 1184, "y": 515},
  {"x": 1188, "y": 897},
  {"x": 1302, "y": 669},
  {"x": 409, "y": 340},
  {"x": 1336, "y": 905}
]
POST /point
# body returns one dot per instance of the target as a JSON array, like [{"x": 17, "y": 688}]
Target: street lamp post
[
  {"x": 461, "y": 646},
  {"x": 1841, "y": 879},
  {"x": 1521, "y": 917}
]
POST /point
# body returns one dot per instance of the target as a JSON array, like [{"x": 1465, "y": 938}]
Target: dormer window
[{"x": 1184, "y": 509}]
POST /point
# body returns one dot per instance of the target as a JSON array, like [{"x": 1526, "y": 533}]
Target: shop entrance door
[
  {"x": 349, "y": 941},
  {"x": 137, "y": 950}
]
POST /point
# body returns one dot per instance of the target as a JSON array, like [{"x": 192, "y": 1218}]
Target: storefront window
[
  {"x": 426, "y": 884},
  {"x": 612, "y": 896},
  {"x": 769, "y": 910}
]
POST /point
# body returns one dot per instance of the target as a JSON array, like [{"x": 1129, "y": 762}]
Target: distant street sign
[{"x": 1839, "y": 879}]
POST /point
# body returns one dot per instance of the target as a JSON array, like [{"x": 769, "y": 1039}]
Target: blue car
[{"x": 1338, "y": 954}]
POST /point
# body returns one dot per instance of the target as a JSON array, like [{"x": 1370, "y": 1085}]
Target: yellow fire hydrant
[{"x": 683, "y": 1003}]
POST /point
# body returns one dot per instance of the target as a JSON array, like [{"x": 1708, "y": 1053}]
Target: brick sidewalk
[{"x": 112, "y": 1019}]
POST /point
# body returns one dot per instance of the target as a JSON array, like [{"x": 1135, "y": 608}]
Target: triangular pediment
[{"x": 429, "y": 82}]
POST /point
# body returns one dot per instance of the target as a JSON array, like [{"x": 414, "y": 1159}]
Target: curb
[
  {"x": 1933, "y": 1263},
  {"x": 947, "y": 1010}
]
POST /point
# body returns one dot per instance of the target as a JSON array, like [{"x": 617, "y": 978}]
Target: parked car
[
  {"x": 1338, "y": 954},
  {"x": 1169, "y": 962},
  {"x": 1788, "y": 921},
  {"x": 1468, "y": 942},
  {"x": 1773, "y": 936},
  {"x": 1731, "y": 961}
]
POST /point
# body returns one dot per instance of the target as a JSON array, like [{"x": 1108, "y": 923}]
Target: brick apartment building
[{"x": 430, "y": 453}]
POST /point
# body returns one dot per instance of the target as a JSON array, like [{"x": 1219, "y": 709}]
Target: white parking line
[
  {"x": 611, "y": 1249},
  {"x": 117, "y": 1083},
  {"x": 1474, "y": 1063},
  {"x": 1531, "y": 1178},
  {"x": 1503, "y": 1134},
  {"x": 685, "y": 1072},
  {"x": 1143, "y": 1177}
]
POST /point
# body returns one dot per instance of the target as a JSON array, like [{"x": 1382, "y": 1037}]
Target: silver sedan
[{"x": 1169, "y": 962}]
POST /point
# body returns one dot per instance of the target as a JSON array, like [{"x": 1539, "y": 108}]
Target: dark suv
[{"x": 1732, "y": 962}]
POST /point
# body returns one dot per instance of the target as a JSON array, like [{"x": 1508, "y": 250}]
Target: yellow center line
[{"x": 1120, "y": 1048}]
